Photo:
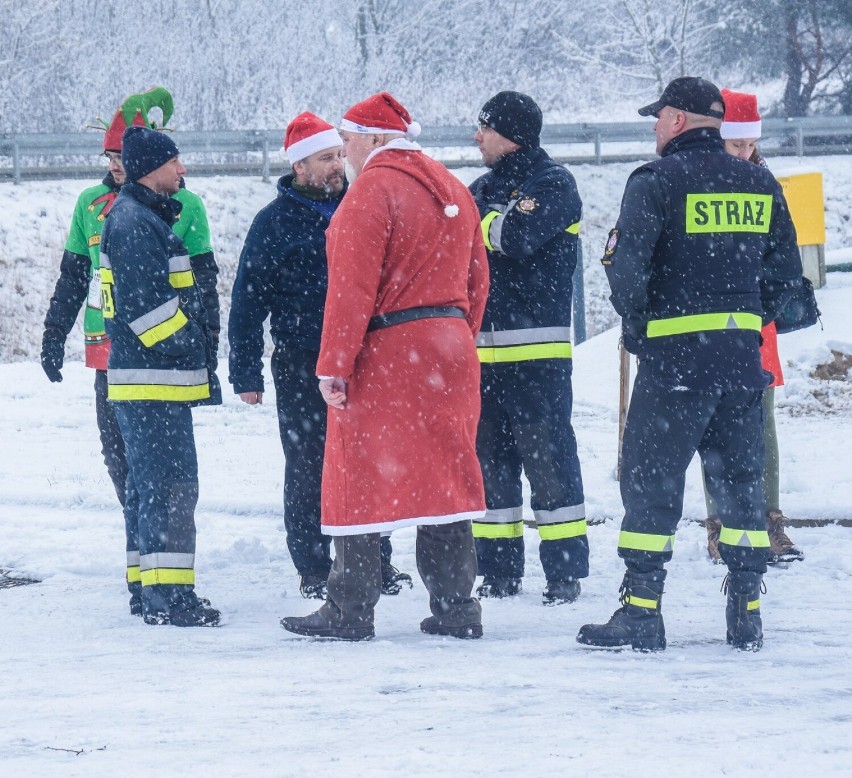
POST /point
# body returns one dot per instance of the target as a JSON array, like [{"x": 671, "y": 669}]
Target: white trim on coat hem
[{"x": 387, "y": 526}]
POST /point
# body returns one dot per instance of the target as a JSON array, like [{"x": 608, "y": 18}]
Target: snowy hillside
[
  {"x": 88, "y": 690},
  {"x": 35, "y": 215}
]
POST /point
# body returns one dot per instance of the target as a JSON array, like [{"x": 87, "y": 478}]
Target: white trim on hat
[
  {"x": 740, "y": 130},
  {"x": 350, "y": 126},
  {"x": 327, "y": 139}
]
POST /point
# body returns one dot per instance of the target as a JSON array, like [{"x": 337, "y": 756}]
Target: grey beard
[{"x": 351, "y": 175}]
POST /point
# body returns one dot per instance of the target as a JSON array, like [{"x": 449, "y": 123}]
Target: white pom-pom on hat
[
  {"x": 451, "y": 210},
  {"x": 414, "y": 129}
]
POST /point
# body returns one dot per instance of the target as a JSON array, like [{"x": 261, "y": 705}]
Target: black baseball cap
[{"x": 690, "y": 94}]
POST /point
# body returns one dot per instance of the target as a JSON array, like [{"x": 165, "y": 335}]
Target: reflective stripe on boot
[{"x": 742, "y": 612}]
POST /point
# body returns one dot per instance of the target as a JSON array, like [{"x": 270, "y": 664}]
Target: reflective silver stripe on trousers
[
  {"x": 151, "y": 319},
  {"x": 561, "y": 515},
  {"x": 120, "y": 376},
  {"x": 523, "y": 337},
  {"x": 166, "y": 559},
  {"x": 179, "y": 264},
  {"x": 502, "y": 515},
  {"x": 103, "y": 261},
  {"x": 133, "y": 559}
]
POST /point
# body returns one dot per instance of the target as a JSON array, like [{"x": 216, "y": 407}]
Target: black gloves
[{"x": 52, "y": 354}]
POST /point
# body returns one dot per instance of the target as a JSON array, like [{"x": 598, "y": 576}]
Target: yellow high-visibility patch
[
  {"x": 640, "y": 541},
  {"x": 181, "y": 279},
  {"x": 489, "y": 354},
  {"x": 164, "y": 330},
  {"x": 490, "y": 531},
  {"x": 133, "y": 575},
  {"x": 486, "y": 227},
  {"x": 703, "y": 322},
  {"x": 641, "y": 602},
  {"x": 168, "y": 575},
  {"x": 563, "y": 530},
  {"x": 728, "y": 212},
  {"x": 744, "y": 538},
  {"x": 158, "y": 392}
]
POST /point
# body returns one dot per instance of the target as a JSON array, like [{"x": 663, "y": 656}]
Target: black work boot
[
  {"x": 639, "y": 622},
  {"x": 745, "y": 627},
  {"x": 202, "y": 615},
  {"x": 498, "y": 586},
  {"x": 313, "y": 587},
  {"x": 560, "y": 592},
  {"x": 393, "y": 580}
]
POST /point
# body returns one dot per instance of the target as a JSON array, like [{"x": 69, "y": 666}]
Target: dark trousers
[
  {"x": 446, "y": 561},
  {"x": 525, "y": 425},
  {"x": 302, "y": 415},
  {"x": 112, "y": 445},
  {"x": 301, "y": 423},
  {"x": 159, "y": 512},
  {"x": 665, "y": 427}
]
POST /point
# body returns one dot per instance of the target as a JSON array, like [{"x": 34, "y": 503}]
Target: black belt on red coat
[{"x": 413, "y": 314}]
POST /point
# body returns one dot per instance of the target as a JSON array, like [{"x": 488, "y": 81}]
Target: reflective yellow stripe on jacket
[
  {"x": 524, "y": 344},
  {"x": 152, "y": 384},
  {"x": 703, "y": 322}
]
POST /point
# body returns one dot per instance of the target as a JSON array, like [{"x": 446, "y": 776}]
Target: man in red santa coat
[{"x": 408, "y": 281}]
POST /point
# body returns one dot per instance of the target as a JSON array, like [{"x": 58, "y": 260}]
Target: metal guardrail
[{"x": 72, "y": 154}]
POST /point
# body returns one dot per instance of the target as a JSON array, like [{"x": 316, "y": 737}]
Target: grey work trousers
[{"x": 446, "y": 561}]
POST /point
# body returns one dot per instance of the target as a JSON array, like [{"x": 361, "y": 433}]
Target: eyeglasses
[{"x": 112, "y": 156}]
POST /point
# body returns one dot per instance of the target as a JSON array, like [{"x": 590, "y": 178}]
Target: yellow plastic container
[{"x": 804, "y": 195}]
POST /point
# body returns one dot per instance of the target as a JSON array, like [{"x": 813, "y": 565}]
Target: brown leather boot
[
  {"x": 714, "y": 530},
  {"x": 781, "y": 548}
]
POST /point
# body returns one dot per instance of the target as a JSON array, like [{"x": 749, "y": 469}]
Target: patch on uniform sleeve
[
  {"x": 527, "y": 204},
  {"x": 611, "y": 246}
]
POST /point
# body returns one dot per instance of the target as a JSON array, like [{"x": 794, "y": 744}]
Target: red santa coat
[{"x": 403, "y": 450}]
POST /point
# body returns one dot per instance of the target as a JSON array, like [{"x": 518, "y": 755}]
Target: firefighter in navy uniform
[
  {"x": 530, "y": 211},
  {"x": 161, "y": 363},
  {"x": 703, "y": 253},
  {"x": 79, "y": 284}
]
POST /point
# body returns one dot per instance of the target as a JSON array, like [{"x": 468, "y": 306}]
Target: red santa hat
[
  {"x": 307, "y": 134},
  {"x": 381, "y": 114},
  {"x": 742, "y": 119}
]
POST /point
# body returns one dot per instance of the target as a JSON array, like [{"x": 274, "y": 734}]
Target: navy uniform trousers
[
  {"x": 112, "y": 446},
  {"x": 525, "y": 425},
  {"x": 302, "y": 415},
  {"x": 159, "y": 508},
  {"x": 665, "y": 427}
]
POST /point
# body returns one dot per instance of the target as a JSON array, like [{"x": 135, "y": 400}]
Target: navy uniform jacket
[
  {"x": 282, "y": 274},
  {"x": 161, "y": 342},
  {"x": 704, "y": 252},
  {"x": 531, "y": 213}
]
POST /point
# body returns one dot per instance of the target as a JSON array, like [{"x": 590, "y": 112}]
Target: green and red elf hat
[{"x": 134, "y": 111}]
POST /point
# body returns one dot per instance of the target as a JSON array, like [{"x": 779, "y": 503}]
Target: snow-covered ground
[{"x": 88, "y": 690}]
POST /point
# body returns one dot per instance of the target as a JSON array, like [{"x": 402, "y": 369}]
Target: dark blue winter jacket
[
  {"x": 283, "y": 275},
  {"x": 161, "y": 343},
  {"x": 704, "y": 253},
  {"x": 531, "y": 212}
]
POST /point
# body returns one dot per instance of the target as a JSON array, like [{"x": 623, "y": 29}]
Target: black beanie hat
[
  {"x": 144, "y": 150},
  {"x": 513, "y": 115}
]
